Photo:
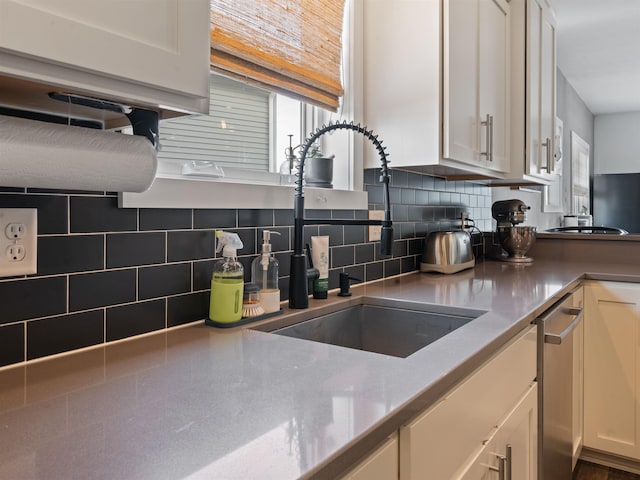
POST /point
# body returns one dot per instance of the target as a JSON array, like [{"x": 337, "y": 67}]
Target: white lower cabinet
[
  {"x": 513, "y": 447},
  {"x": 460, "y": 435},
  {"x": 612, "y": 368},
  {"x": 380, "y": 465}
]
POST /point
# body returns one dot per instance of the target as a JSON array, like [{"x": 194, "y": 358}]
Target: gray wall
[{"x": 578, "y": 118}]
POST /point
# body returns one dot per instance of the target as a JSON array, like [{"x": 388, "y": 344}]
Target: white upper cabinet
[
  {"x": 534, "y": 156},
  {"x": 146, "y": 52},
  {"x": 541, "y": 90},
  {"x": 434, "y": 71},
  {"x": 476, "y": 83}
]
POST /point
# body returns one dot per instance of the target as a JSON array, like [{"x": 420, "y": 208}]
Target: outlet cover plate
[{"x": 27, "y": 217}]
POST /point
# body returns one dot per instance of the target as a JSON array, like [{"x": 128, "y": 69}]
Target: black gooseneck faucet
[{"x": 298, "y": 292}]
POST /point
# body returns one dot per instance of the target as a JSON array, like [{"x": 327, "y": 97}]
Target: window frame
[{"x": 245, "y": 192}]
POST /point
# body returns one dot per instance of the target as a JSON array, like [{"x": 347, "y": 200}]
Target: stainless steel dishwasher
[{"x": 555, "y": 388}]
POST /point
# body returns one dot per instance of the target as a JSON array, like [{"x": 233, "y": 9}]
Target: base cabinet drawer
[{"x": 440, "y": 442}]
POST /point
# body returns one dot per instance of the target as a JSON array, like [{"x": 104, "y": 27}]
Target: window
[
  {"x": 256, "y": 147},
  {"x": 246, "y": 133},
  {"x": 579, "y": 175},
  {"x": 235, "y": 134}
]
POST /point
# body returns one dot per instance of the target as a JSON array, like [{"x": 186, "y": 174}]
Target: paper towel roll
[{"x": 46, "y": 155}]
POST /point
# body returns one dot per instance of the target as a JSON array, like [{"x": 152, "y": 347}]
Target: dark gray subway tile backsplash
[
  {"x": 187, "y": 308},
  {"x": 52, "y": 210},
  {"x": 101, "y": 289},
  {"x": 24, "y": 299},
  {"x": 67, "y": 332},
  {"x": 165, "y": 219},
  {"x": 135, "y": 319},
  {"x": 164, "y": 280},
  {"x": 12, "y": 344},
  {"x": 132, "y": 249},
  {"x": 100, "y": 214},
  {"x": 69, "y": 254},
  {"x": 106, "y": 273}
]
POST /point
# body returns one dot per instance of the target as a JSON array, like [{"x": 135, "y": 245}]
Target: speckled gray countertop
[{"x": 199, "y": 402}]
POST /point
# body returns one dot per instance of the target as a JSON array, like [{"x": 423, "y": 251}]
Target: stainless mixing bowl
[{"x": 517, "y": 241}]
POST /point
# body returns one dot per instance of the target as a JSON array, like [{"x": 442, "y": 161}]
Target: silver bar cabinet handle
[
  {"x": 556, "y": 339},
  {"x": 547, "y": 145},
  {"x": 487, "y": 137},
  {"x": 490, "y": 117},
  {"x": 501, "y": 468}
]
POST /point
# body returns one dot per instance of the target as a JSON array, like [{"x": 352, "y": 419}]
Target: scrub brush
[
  {"x": 251, "y": 304},
  {"x": 250, "y": 310}
]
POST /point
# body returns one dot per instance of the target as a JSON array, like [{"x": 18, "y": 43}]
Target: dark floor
[{"x": 592, "y": 471}]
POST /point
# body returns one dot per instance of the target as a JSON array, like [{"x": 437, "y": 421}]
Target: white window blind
[
  {"x": 289, "y": 46},
  {"x": 234, "y": 134}
]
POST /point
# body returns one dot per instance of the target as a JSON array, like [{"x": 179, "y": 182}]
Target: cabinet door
[
  {"x": 611, "y": 368},
  {"x": 402, "y": 98},
  {"x": 541, "y": 88},
  {"x": 494, "y": 83},
  {"x": 159, "y": 43},
  {"x": 548, "y": 91},
  {"x": 381, "y": 465},
  {"x": 514, "y": 444},
  {"x": 517, "y": 438},
  {"x": 476, "y": 79},
  {"x": 578, "y": 381},
  {"x": 460, "y": 74}
]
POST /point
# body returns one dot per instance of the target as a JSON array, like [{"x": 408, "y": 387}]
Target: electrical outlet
[
  {"x": 375, "y": 231},
  {"x": 15, "y": 230},
  {"x": 16, "y": 253},
  {"x": 18, "y": 241}
]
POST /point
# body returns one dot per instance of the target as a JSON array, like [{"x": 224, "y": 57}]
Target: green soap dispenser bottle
[
  {"x": 264, "y": 273},
  {"x": 227, "y": 282}
]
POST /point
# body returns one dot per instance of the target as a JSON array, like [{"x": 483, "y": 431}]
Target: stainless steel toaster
[{"x": 447, "y": 252}]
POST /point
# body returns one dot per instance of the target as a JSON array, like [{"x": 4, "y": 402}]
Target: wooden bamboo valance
[{"x": 287, "y": 46}]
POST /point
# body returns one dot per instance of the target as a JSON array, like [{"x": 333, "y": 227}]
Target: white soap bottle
[{"x": 264, "y": 273}]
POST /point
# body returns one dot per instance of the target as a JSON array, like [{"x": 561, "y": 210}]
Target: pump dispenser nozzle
[{"x": 264, "y": 273}]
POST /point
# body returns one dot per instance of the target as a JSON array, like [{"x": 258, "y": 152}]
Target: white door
[
  {"x": 541, "y": 88},
  {"x": 514, "y": 446},
  {"x": 611, "y": 368},
  {"x": 547, "y": 90},
  {"x": 517, "y": 438},
  {"x": 493, "y": 83},
  {"x": 476, "y": 82},
  {"x": 460, "y": 75}
]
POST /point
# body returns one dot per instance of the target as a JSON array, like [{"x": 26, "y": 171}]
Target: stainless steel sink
[{"x": 396, "y": 331}]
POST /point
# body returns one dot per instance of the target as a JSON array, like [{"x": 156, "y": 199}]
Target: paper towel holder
[{"x": 143, "y": 121}]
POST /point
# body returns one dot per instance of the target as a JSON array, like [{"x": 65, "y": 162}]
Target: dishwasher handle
[{"x": 556, "y": 339}]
